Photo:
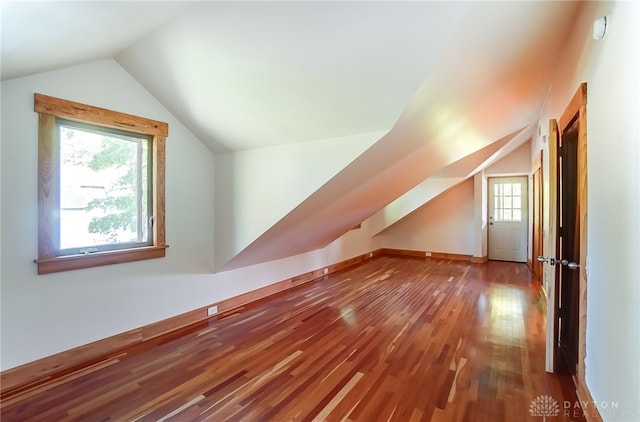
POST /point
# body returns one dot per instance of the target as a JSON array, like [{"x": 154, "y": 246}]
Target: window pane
[
  {"x": 507, "y": 189},
  {"x": 516, "y": 203},
  {"x": 507, "y": 215},
  {"x": 104, "y": 193},
  {"x": 517, "y": 215},
  {"x": 507, "y": 202},
  {"x": 516, "y": 189}
]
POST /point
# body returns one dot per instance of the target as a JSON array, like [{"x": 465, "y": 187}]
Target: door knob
[
  {"x": 571, "y": 265},
  {"x": 554, "y": 261}
]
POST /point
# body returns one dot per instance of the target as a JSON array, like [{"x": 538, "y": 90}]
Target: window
[
  {"x": 100, "y": 186},
  {"x": 508, "y": 202}
]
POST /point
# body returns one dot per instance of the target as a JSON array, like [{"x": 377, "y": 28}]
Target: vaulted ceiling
[{"x": 444, "y": 80}]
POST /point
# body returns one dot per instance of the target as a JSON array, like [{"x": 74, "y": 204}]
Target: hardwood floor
[{"x": 394, "y": 339}]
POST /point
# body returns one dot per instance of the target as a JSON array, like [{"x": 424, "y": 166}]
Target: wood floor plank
[{"x": 397, "y": 338}]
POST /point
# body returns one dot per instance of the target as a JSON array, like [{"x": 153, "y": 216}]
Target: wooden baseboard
[
  {"x": 33, "y": 374},
  {"x": 591, "y": 413},
  {"x": 263, "y": 292},
  {"x": 434, "y": 255},
  {"x": 42, "y": 371},
  {"x": 402, "y": 252},
  {"x": 451, "y": 256}
]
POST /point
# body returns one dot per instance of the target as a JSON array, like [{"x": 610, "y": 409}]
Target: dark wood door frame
[
  {"x": 575, "y": 112},
  {"x": 568, "y": 247}
]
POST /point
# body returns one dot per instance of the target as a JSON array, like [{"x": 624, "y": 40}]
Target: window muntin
[
  {"x": 507, "y": 202},
  {"x": 105, "y": 189},
  {"x": 51, "y": 112}
]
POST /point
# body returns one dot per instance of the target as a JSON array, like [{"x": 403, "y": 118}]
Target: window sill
[{"x": 76, "y": 262}]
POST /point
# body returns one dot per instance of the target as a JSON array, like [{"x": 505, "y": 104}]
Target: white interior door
[{"x": 508, "y": 219}]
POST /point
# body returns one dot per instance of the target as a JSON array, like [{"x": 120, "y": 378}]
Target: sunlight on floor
[{"x": 506, "y": 316}]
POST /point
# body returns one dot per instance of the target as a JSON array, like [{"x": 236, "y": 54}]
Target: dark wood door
[
  {"x": 569, "y": 247},
  {"x": 567, "y": 239}
]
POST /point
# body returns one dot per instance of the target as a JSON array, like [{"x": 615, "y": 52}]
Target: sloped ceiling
[
  {"x": 246, "y": 75},
  {"x": 38, "y": 36},
  {"x": 444, "y": 79},
  {"x": 442, "y": 181}
]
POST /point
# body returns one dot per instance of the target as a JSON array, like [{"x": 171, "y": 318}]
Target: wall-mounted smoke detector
[{"x": 599, "y": 28}]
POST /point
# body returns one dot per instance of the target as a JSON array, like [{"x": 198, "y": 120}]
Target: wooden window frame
[{"x": 51, "y": 108}]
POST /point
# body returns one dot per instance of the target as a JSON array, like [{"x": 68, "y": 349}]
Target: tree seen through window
[{"x": 104, "y": 188}]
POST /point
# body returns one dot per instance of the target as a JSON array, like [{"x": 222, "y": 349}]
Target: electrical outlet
[
  {"x": 370, "y": 254},
  {"x": 427, "y": 254},
  {"x": 212, "y": 310},
  {"x": 326, "y": 270}
]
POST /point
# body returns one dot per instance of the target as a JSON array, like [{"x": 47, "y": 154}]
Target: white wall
[
  {"x": 454, "y": 221},
  {"x": 480, "y": 214},
  {"x": 611, "y": 69},
  {"x": 445, "y": 224},
  {"x": 411, "y": 201},
  {"x": 256, "y": 188},
  {"x": 353, "y": 243},
  {"x": 47, "y": 314},
  {"x": 517, "y": 162}
]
